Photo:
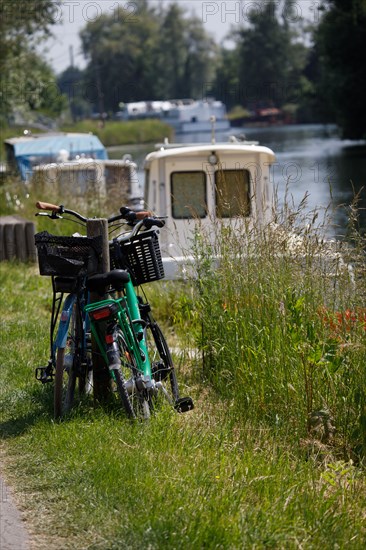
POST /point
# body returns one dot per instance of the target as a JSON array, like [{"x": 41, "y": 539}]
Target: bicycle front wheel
[
  {"x": 135, "y": 398},
  {"x": 162, "y": 364},
  {"x": 73, "y": 367}
]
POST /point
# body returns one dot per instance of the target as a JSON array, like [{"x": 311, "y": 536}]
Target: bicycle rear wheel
[
  {"x": 73, "y": 367},
  {"x": 130, "y": 387}
]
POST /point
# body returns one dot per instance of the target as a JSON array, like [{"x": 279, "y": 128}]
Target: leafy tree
[
  {"x": 201, "y": 59},
  {"x": 171, "y": 55},
  {"x": 119, "y": 49},
  {"x": 270, "y": 57},
  {"x": 72, "y": 85},
  {"x": 27, "y": 82},
  {"x": 150, "y": 54},
  {"x": 226, "y": 85},
  {"x": 340, "y": 40},
  {"x": 186, "y": 56}
]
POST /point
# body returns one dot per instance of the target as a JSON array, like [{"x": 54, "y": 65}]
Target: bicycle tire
[
  {"x": 76, "y": 370},
  {"x": 137, "y": 403},
  {"x": 161, "y": 361}
]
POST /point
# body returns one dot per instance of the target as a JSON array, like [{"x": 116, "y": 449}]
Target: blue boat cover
[{"x": 45, "y": 148}]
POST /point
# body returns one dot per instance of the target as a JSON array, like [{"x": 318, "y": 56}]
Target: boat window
[
  {"x": 188, "y": 191},
  {"x": 232, "y": 193}
]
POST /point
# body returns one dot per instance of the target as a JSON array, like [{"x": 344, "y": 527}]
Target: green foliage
[
  {"x": 267, "y": 63},
  {"x": 124, "y": 133},
  {"x": 263, "y": 323},
  {"x": 340, "y": 37},
  {"x": 71, "y": 84},
  {"x": 207, "y": 479},
  {"x": 28, "y": 84},
  {"x": 149, "y": 54}
]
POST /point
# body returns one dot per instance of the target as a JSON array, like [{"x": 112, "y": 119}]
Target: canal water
[{"x": 311, "y": 160}]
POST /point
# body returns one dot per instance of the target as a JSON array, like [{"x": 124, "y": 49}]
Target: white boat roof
[{"x": 169, "y": 150}]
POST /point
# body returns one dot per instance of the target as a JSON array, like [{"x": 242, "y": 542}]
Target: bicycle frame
[
  {"x": 65, "y": 318},
  {"x": 130, "y": 321},
  {"x": 122, "y": 331},
  {"x": 62, "y": 310}
]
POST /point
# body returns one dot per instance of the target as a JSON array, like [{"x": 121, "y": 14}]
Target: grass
[
  {"x": 278, "y": 363},
  {"x": 282, "y": 325},
  {"x": 124, "y": 132}
]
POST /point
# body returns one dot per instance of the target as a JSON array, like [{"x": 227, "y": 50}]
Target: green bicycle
[{"x": 120, "y": 322}]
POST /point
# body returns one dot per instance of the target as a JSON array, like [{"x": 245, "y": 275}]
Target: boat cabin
[
  {"x": 29, "y": 150},
  {"x": 201, "y": 183},
  {"x": 90, "y": 179}
]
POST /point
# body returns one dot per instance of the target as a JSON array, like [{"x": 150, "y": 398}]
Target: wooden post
[
  {"x": 101, "y": 377},
  {"x": 17, "y": 239}
]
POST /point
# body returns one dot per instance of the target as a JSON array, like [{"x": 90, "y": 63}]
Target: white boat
[
  {"x": 29, "y": 150},
  {"x": 197, "y": 116},
  {"x": 184, "y": 115},
  {"x": 195, "y": 185},
  {"x": 90, "y": 178},
  {"x": 73, "y": 165},
  {"x": 202, "y": 188}
]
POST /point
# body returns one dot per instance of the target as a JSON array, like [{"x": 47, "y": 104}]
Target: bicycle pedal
[
  {"x": 184, "y": 404},
  {"x": 44, "y": 374}
]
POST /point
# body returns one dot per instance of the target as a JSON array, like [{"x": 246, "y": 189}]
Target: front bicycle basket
[
  {"x": 141, "y": 256},
  {"x": 67, "y": 256}
]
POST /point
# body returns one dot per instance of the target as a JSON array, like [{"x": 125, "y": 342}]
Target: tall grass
[
  {"x": 281, "y": 323},
  {"x": 271, "y": 456}
]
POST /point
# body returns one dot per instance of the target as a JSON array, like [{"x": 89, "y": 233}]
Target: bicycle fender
[{"x": 60, "y": 341}]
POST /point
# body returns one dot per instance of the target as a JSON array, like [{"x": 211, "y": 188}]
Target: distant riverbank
[
  {"x": 124, "y": 132},
  {"x": 111, "y": 134}
]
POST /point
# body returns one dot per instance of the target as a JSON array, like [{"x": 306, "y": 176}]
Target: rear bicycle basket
[
  {"x": 67, "y": 256},
  {"x": 141, "y": 256}
]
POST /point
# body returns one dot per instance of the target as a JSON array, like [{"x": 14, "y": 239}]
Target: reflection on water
[
  {"x": 309, "y": 159},
  {"x": 312, "y": 159}
]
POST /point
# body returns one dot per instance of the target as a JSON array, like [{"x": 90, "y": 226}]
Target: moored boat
[
  {"x": 196, "y": 185},
  {"x": 206, "y": 189},
  {"x": 73, "y": 165},
  {"x": 183, "y": 115}
]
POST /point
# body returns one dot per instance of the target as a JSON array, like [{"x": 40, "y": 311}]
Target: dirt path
[{"x": 13, "y": 534}]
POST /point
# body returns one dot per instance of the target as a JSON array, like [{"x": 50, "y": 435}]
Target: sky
[{"x": 217, "y": 16}]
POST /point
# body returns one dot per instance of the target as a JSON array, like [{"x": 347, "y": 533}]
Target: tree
[
  {"x": 226, "y": 85},
  {"x": 72, "y": 85},
  {"x": 119, "y": 49},
  {"x": 152, "y": 54},
  {"x": 270, "y": 57},
  {"x": 340, "y": 39},
  {"x": 186, "y": 56},
  {"x": 22, "y": 25}
]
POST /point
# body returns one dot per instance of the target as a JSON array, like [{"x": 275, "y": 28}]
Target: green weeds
[
  {"x": 281, "y": 324},
  {"x": 271, "y": 345}
]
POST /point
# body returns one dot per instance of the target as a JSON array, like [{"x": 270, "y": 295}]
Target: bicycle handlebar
[
  {"x": 149, "y": 220},
  {"x": 48, "y": 206}
]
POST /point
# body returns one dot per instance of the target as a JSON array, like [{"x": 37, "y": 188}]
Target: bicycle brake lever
[
  {"x": 151, "y": 222},
  {"x": 53, "y": 216}
]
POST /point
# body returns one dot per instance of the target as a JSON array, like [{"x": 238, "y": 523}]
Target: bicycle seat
[{"x": 115, "y": 278}]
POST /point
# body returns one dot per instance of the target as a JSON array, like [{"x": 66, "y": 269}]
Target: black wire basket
[
  {"x": 140, "y": 256},
  {"x": 68, "y": 256}
]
